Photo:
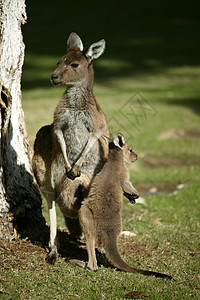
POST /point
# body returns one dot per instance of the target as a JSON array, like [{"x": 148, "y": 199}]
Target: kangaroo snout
[
  {"x": 136, "y": 156},
  {"x": 54, "y": 79}
]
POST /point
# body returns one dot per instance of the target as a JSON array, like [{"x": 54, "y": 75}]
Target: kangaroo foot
[
  {"x": 78, "y": 263},
  {"x": 91, "y": 268},
  {"x": 52, "y": 257}
]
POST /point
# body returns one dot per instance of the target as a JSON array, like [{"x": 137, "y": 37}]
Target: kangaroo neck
[
  {"x": 79, "y": 95},
  {"x": 115, "y": 158}
]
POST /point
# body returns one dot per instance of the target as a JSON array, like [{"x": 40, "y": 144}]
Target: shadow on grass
[
  {"x": 70, "y": 248},
  {"x": 141, "y": 37},
  {"x": 193, "y": 104}
]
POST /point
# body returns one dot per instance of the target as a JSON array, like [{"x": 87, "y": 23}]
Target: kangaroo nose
[{"x": 54, "y": 77}]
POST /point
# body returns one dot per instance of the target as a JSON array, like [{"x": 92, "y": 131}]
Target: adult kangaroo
[{"x": 69, "y": 153}]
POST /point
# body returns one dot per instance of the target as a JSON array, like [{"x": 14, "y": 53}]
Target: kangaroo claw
[
  {"x": 131, "y": 197},
  {"x": 72, "y": 175}
]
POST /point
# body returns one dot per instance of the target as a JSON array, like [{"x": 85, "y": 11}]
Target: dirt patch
[
  {"x": 192, "y": 133},
  {"x": 21, "y": 247},
  {"x": 141, "y": 254},
  {"x": 12, "y": 253},
  {"x": 16, "y": 253},
  {"x": 127, "y": 247},
  {"x": 164, "y": 187},
  {"x": 159, "y": 162},
  {"x": 23, "y": 251},
  {"x": 23, "y": 254}
]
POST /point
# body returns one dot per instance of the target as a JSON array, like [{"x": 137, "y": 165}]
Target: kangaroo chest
[{"x": 76, "y": 126}]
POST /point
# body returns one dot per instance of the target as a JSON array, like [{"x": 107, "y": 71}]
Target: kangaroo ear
[
  {"x": 95, "y": 50},
  {"x": 107, "y": 139},
  {"x": 119, "y": 140},
  {"x": 74, "y": 42}
]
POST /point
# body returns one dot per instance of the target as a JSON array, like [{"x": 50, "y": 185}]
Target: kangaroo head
[
  {"x": 128, "y": 154},
  {"x": 75, "y": 68},
  {"x": 119, "y": 142}
]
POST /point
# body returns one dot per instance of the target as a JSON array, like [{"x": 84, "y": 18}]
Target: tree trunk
[{"x": 20, "y": 201}]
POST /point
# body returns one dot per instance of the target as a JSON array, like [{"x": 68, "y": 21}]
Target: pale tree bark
[{"x": 20, "y": 201}]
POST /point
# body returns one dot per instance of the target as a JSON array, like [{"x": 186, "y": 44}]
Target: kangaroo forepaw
[
  {"x": 131, "y": 197},
  {"x": 73, "y": 173}
]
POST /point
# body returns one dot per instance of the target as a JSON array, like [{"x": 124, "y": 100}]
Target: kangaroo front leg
[
  {"x": 76, "y": 169},
  {"x": 62, "y": 144},
  {"x": 129, "y": 191}
]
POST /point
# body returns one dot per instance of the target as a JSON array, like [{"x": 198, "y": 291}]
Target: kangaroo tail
[{"x": 114, "y": 257}]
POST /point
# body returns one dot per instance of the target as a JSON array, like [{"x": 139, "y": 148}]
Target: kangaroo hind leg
[
  {"x": 88, "y": 226},
  {"x": 53, "y": 243}
]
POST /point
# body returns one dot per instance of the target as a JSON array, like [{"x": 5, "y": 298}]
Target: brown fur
[{"x": 100, "y": 214}]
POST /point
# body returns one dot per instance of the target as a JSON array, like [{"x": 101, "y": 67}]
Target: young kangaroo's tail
[{"x": 114, "y": 257}]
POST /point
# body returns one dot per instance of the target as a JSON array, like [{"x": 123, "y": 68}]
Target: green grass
[{"x": 152, "y": 56}]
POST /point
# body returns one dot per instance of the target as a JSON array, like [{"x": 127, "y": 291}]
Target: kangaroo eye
[
  {"x": 74, "y": 66},
  {"x": 131, "y": 151}
]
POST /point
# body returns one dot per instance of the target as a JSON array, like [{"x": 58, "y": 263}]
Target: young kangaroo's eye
[
  {"x": 74, "y": 66},
  {"x": 131, "y": 151}
]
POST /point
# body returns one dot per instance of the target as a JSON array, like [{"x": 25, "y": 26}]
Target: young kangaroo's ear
[
  {"x": 119, "y": 140},
  {"x": 74, "y": 42},
  {"x": 95, "y": 50}
]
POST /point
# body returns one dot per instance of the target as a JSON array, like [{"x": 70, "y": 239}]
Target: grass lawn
[{"x": 147, "y": 83}]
